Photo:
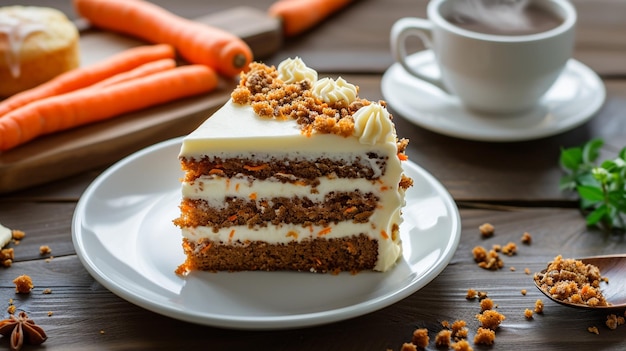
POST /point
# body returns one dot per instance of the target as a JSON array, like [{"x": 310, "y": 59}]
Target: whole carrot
[
  {"x": 195, "y": 42},
  {"x": 88, "y": 105},
  {"x": 140, "y": 71},
  {"x": 88, "y": 75},
  {"x": 298, "y": 16}
]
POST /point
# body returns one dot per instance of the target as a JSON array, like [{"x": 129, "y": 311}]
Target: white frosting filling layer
[{"x": 215, "y": 189}]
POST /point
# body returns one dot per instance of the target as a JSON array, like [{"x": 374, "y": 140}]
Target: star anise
[{"x": 22, "y": 329}]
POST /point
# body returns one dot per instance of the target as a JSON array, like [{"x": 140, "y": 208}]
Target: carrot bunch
[
  {"x": 131, "y": 80},
  {"x": 195, "y": 42}
]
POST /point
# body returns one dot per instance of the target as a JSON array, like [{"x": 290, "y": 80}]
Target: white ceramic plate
[
  {"x": 123, "y": 233},
  {"x": 574, "y": 98}
]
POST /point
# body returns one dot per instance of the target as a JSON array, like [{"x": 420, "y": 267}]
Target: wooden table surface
[{"x": 512, "y": 185}]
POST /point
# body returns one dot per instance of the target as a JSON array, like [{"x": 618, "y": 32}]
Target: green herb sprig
[{"x": 602, "y": 188}]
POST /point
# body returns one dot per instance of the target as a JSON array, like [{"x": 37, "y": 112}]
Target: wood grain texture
[{"x": 84, "y": 313}]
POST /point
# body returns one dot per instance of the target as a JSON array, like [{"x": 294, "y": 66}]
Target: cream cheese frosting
[
  {"x": 372, "y": 125},
  {"x": 331, "y": 91},
  {"x": 295, "y": 70}
]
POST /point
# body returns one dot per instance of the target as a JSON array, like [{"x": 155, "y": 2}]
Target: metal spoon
[{"x": 612, "y": 267}]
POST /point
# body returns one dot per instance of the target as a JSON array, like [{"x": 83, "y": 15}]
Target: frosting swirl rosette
[
  {"x": 295, "y": 70},
  {"x": 372, "y": 125},
  {"x": 331, "y": 91}
]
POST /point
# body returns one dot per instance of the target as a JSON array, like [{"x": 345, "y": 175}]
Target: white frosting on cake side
[{"x": 213, "y": 189}]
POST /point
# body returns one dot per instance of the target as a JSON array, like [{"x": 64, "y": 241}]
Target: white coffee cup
[{"x": 493, "y": 73}]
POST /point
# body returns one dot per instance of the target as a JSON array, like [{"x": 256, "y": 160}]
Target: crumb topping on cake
[{"x": 270, "y": 97}]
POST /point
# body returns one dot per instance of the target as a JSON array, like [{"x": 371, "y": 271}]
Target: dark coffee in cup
[{"x": 503, "y": 17}]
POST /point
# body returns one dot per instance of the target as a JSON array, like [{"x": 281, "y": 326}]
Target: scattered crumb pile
[
  {"x": 490, "y": 259},
  {"x": 23, "y": 284}
]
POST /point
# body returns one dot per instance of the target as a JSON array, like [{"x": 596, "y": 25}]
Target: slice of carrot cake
[{"x": 293, "y": 173}]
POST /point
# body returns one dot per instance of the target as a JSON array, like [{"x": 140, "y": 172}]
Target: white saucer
[
  {"x": 575, "y": 97},
  {"x": 123, "y": 234}
]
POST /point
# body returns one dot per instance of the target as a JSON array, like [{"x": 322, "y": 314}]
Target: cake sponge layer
[{"x": 354, "y": 253}]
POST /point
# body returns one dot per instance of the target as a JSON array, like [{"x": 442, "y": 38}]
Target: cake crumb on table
[
  {"x": 526, "y": 238},
  {"x": 486, "y": 230},
  {"x": 484, "y": 336},
  {"x": 443, "y": 338},
  {"x": 471, "y": 294},
  {"x": 593, "y": 330},
  {"x": 524, "y": 292},
  {"x": 44, "y": 250},
  {"x": 490, "y": 319},
  {"x": 509, "y": 249},
  {"x": 18, "y": 234},
  {"x": 487, "y": 259},
  {"x": 613, "y": 321},
  {"x": 459, "y": 331},
  {"x": 420, "y": 337},
  {"x": 462, "y": 345},
  {"x": 23, "y": 284},
  {"x": 7, "y": 256},
  {"x": 407, "y": 346},
  {"x": 539, "y": 306},
  {"x": 528, "y": 313},
  {"x": 486, "y": 304}
]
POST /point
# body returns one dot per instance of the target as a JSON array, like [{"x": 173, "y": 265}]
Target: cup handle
[{"x": 408, "y": 27}]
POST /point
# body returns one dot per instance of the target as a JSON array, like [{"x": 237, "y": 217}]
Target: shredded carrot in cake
[
  {"x": 292, "y": 234},
  {"x": 232, "y": 218},
  {"x": 206, "y": 248},
  {"x": 350, "y": 209},
  {"x": 324, "y": 231},
  {"x": 252, "y": 196},
  {"x": 255, "y": 168},
  {"x": 216, "y": 171},
  {"x": 384, "y": 234}
]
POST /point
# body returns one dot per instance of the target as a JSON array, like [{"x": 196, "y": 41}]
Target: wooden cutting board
[{"x": 63, "y": 154}]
